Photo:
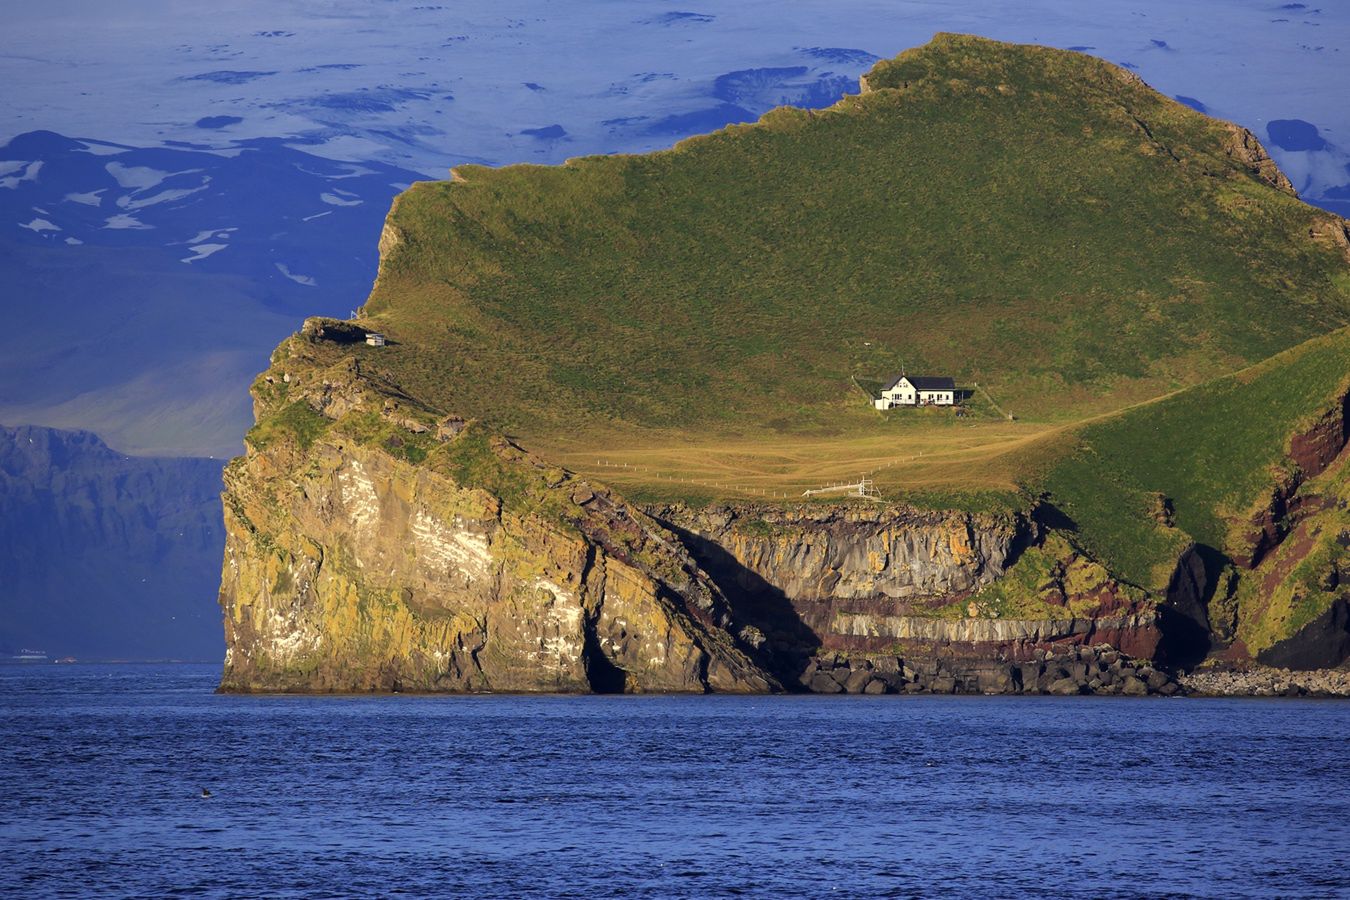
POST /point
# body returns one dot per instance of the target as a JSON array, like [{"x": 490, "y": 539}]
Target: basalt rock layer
[{"x": 873, "y": 581}]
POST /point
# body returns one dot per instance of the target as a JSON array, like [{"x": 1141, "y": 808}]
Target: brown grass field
[
  {"x": 920, "y": 451},
  {"x": 984, "y": 454}
]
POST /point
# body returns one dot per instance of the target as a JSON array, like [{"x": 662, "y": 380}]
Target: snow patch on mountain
[
  {"x": 202, "y": 251},
  {"x": 306, "y": 280}
]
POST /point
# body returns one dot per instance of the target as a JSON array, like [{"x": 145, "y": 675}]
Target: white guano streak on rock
[
  {"x": 360, "y": 500},
  {"x": 564, "y": 618},
  {"x": 288, "y": 637},
  {"x": 447, "y": 547}
]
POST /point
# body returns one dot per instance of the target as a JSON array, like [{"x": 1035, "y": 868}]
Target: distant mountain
[{"x": 104, "y": 555}]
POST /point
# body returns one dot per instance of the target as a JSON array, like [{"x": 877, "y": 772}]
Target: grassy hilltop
[{"x": 696, "y": 321}]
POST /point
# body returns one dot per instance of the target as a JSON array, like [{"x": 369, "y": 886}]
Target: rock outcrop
[
  {"x": 851, "y": 552},
  {"x": 1310, "y": 453},
  {"x": 870, "y": 582},
  {"x": 1266, "y": 681},
  {"x": 1244, "y": 147},
  {"x": 369, "y": 549},
  {"x": 1071, "y": 671}
]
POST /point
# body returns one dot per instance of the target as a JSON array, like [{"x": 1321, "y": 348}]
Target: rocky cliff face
[
  {"x": 376, "y": 544},
  {"x": 1291, "y": 608},
  {"x": 880, "y": 581},
  {"x": 371, "y": 547},
  {"x": 852, "y": 552}
]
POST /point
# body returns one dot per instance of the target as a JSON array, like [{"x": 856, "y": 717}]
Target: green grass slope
[
  {"x": 1034, "y": 219},
  {"x": 1214, "y": 451},
  {"x": 1307, "y": 573}
]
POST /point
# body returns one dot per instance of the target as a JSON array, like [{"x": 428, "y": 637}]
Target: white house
[
  {"x": 918, "y": 390},
  {"x": 374, "y": 339}
]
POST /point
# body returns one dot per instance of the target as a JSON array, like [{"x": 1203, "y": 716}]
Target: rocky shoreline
[
  {"x": 1267, "y": 682},
  {"x": 1100, "y": 670}
]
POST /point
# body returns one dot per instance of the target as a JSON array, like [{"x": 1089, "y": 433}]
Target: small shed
[{"x": 374, "y": 339}]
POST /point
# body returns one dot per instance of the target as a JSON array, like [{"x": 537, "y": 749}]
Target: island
[{"x": 581, "y": 435}]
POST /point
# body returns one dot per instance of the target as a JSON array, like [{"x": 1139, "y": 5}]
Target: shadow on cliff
[
  {"x": 1185, "y": 635},
  {"x": 1324, "y": 642},
  {"x": 603, "y": 676},
  {"x": 1049, "y": 517},
  {"x": 789, "y": 643}
]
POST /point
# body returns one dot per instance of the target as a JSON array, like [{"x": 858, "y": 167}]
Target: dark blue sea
[{"x": 102, "y": 767}]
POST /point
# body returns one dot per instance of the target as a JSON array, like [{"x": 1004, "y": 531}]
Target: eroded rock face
[
  {"x": 1311, "y": 452},
  {"x": 1244, "y": 147},
  {"x": 1335, "y": 231},
  {"x": 1314, "y": 449},
  {"x": 349, "y": 567},
  {"x": 873, "y": 581},
  {"x": 363, "y": 572},
  {"x": 849, "y": 552}
]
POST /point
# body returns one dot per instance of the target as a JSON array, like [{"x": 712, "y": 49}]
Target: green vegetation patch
[
  {"x": 1049, "y": 581},
  {"x": 371, "y": 428},
  {"x": 1307, "y": 574},
  {"x": 295, "y": 421},
  {"x": 980, "y": 502},
  {"x": 476, "y": 459},
  {"x": 1213, "y": 450}
]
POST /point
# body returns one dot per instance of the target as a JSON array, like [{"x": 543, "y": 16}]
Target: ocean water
[{"x": 101, "y": 770}]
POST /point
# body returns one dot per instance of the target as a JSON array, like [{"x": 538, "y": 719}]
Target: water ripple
[{"x": 102, "y": 767}]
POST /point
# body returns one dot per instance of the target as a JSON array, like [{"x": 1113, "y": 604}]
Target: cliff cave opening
[{"x": 604, "y": 677}]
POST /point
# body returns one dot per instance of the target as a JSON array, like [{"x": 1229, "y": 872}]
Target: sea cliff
[{"x": 373, "y": 543}]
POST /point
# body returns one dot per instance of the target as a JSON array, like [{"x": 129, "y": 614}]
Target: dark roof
[{"x": 926, "y": 382}]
